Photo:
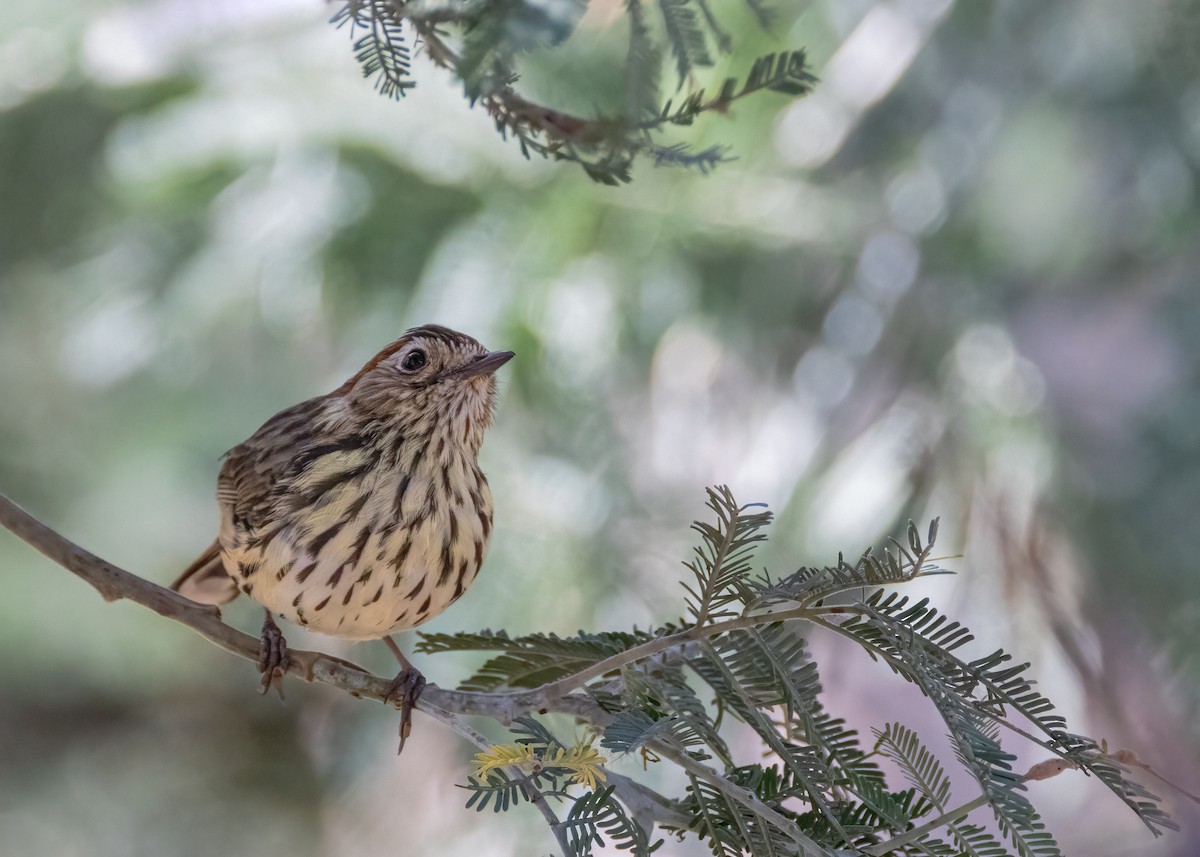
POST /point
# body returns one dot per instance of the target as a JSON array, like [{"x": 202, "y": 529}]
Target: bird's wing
[
  {"x": 251, "y": 478},
  {"x": 259, "y": 471}
]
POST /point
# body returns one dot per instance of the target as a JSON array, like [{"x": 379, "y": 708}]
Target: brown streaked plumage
[{"x": 362, "y": 512}]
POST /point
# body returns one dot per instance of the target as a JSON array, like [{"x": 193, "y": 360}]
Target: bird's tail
[{"x": 205, "y": 579}]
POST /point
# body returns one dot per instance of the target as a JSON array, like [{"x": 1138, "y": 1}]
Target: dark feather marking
[
  {"x": 360, "y": 544},
  {"x": 454, "y": 527},
  {"x": 416, "y": 590},
  {"x": 335, "y": 577},
  {"x": 401, "y": 490},
  {"x": 319, "y": 489},
  {"x": 305, "y": 572},
  {"x": 398, "y": 561},
  {"x": 246, "y": 569},
  {"x": 247, "y": 588},
  {"x": 286, "y": 570},
  {"x": 300, "y": 617},
  {"x": 261, "y": 540},
  {"x": 343, "y": 444},
  {"x": 406, "y": 479},
  {"x": 485, "y": 521},
  {"x": 461, "y": 583},
  {"x": 323, "y": 603},
  {"x": 378, "y": 594},
  {"x": 296, "y": 600},
  {"x": 366, "y": 575},
  {"x": 356, "y": 506},
  {"x": 320, "y": 540},
  {"x": 402, "y": 554},
  {"x": 447, "y": 563},
  {"x": 424, "y": 608},
  {"x": 478, "y": 555}
]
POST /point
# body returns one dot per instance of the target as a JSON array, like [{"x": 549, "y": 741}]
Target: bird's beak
[{"x": 485, "y": 365}]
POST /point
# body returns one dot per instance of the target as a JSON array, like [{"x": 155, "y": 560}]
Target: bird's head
[{"x": 430, "y": 379}]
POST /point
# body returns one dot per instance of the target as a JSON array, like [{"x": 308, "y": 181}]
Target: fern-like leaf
[
  {"x": 898, "y": 564},
  {"x": 786, "y": 73},
  {"x": 722, "y": 564},
  {"x": 531, "y": 660},
  {"x": 644, "y": 61},
  {"x": 382, "y": 50},
  {"x": 662, "y": 693},
  {"x": 802, "y": 762},
  {"x": 924, "y": 771},
  {"x": 597, "y": 815},
  {"x": 689, "y": 45},
  {"x": 501, "y": 791}
]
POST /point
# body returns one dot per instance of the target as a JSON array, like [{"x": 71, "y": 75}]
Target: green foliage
[
  {"x": 901, "y": 744},
  {"x": 531, "y": 660},
  {"x": 722, "y": 563},
  {"x": 480, "y": 42},
  {"x": 382, "y": 50},
  {"x": 819, "y": 791},
  {"x": 595, "y": 816}
]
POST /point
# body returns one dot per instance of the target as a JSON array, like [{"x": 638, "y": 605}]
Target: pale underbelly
[{"x": 360, "y": 589}]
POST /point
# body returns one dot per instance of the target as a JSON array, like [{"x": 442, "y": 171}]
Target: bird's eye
[{"x": 413, "y": 361}]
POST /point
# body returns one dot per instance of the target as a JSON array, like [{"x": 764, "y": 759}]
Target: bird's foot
[
  {"x": 404, "y": 692},
  {"x": 273, "y": 659}
]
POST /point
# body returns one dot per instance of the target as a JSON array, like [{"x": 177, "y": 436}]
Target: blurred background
[{"x": 959, "y": 279}]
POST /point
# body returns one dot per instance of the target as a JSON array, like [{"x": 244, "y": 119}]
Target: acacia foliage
[
  {"x": 480, "y": 41},
  {"x": 740, "y": 659}
]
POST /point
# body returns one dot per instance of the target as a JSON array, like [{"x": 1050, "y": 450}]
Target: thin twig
[
  {"x": 589, "y": 710},
  {"x": 115, "y": 584},
  {"x": 470, "y": 733},
  {"x": 909, "y": 836},
  {"x": 745, "y": 797}
]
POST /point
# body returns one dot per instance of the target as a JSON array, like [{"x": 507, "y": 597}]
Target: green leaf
[
  {"x": 531, "y": 660},
  {"x": 382, "y": 50},
  {"x": 597, "y": 815},
  {"x": 786, "y": 73},
  {"x": 722, "y": 564},
  {"x": 643, "y": 62},
  {"x": 689, "y": 45}
]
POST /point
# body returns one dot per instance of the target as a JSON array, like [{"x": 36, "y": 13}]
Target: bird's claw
[
  {"x": 404, "y": 692},
  {"x": 273, "y": 661}
]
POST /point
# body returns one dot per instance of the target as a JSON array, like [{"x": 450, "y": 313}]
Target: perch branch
[{"x": 116, "y": 584}]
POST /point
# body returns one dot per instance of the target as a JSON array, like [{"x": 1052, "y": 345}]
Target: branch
[
  {"x": 915, "y": 834},
  {"x": 589, "y": 710},
  {"x": 116, "y": 584}
]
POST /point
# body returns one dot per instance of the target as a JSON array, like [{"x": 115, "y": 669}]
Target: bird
[{"x": 362, "y": 512}]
